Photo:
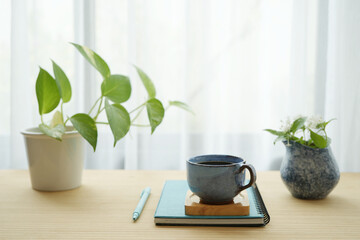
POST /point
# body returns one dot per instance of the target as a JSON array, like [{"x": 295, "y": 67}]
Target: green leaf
[
  {"x": 155, "y": 111},
  {"x": 181, "y": 105},
  {"x": 117, "y": 88},
  {"x": 86, "y": 126},
  {"x": 279, "y": 138},
  {"x": 324, "y": 124},
  {"x": 55, "y": 132},
  {"x": 119, "y": 120},
  {"x": 149, "y": 85},
  {"x": 62, "y": 82},
  {"x": 302, "y": 141},
  {"x": 57, "y": 119},
  {"x": 47, "y": 92},
  {"x": 319, "y": 141},
  {"x": 297, "y": 124},
  {"x": 277, "y": 133},
  {"x": 94, "y": 59}
]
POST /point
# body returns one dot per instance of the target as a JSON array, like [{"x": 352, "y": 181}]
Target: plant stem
[
  {"x": 326, "y": 137},
  {"x": 140, "y": 125},
  {"x": 102, "y": 123},
  {"x": 99, "y": 109},
  {"x": 62, "y": 112},
  {"x": 92, "y": 108},
  {"x": 138, "y": 114},
  {"x": 138, "y": 107},
  {"x": 42, "y": 120},
  {"x": 304, "y": 134},
  {"x": 66, "y": 121}
]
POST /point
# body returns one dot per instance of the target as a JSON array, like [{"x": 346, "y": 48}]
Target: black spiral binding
[{"x": 260, "y": 206}]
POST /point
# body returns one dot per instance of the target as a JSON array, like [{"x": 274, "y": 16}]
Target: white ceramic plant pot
[{"x": 54, "y": 165}]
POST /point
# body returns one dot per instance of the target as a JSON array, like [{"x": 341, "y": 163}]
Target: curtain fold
[
  {"x": 241, "y": 65},
  {"x": 343, "y": 82},
  {"x": 20, "y": 106}
]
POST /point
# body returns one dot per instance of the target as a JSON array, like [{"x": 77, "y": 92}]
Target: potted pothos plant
[
  {"x": 55, "y": 152},
  {"x": 309, "y": 169}
]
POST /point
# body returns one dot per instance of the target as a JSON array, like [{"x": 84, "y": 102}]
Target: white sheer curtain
[
  {"x": 343, "y": 81},
  {"x": 241, "y": 65}
]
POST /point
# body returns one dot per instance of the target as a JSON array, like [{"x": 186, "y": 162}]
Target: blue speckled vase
[{"x": 309, "y": 173}]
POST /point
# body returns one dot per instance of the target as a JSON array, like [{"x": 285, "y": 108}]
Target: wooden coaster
[{"x": 239, "y": 207}]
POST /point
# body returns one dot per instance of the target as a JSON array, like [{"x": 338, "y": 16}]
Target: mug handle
[{"x": 252, "y": 172}]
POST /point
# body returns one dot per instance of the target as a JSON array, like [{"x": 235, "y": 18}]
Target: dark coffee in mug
[{"x": 215, "y": 163}]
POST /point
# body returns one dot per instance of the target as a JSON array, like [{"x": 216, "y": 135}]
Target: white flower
[
  {"x": 313, "y": 121},
  {"x": 285, "y": 125}
]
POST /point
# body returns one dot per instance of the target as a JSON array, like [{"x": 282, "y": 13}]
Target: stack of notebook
[{"x": 171, "y": 209}]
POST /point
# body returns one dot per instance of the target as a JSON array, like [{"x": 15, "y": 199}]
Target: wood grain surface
[{"x": 102, "y": 209}]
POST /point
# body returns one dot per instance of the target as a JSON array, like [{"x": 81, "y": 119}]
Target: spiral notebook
[{"x": 171, "y": 209}]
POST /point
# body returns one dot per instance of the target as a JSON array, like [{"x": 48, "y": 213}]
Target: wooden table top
[{"x": 102, "y": 209}]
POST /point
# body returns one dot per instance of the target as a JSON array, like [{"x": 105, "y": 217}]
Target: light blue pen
[{"x": 143, "y": 197}]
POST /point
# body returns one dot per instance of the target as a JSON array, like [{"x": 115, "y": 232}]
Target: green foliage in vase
[
  {"x": 306, "y": 131},
  {"x": 53, "y": 91}
]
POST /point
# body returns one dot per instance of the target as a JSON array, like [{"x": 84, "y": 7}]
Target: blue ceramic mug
[{"x": 217, "y": 179}]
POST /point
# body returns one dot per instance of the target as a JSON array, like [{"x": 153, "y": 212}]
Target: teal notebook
[{"x": 171, "y": 209}]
